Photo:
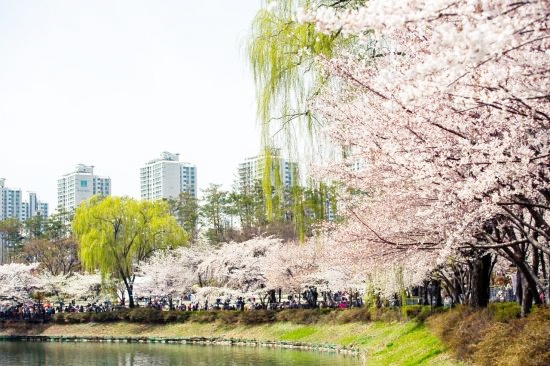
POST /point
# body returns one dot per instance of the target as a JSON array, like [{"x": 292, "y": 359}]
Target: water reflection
[{"x": 107, "y": 354}]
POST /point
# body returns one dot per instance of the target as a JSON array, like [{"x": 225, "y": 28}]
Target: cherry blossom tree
[
  {"x": 291, "y": 265},
  {"x": 240, "y": 266},
  {"x": 444, "y": 105},
  {"x": 75, "y": 286},
  {"x": 19, "y": 281},
  {"x": 231, "y": 269},
  {"x": 169, "y": 273}
]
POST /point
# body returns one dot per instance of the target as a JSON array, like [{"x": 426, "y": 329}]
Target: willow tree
[
  {"x": 115, "y": 233},
  {"x": 281, "y": 54}
]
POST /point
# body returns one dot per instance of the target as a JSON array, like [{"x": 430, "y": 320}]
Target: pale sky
[{"x": 115, "y": 83}]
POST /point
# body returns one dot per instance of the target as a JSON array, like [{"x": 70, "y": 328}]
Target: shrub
[
  {"x": 299, "y": 316},
  {"x": 71, "y": 318},
  {"x": 517, "y": 341},
  {"x": 411, "y": 311},
  {"x": 230, "y": 317},
  {"x": 425, "y": 312},
  {"x": 104, "y": 317},
  {"x": 84, "y": 317},
  {"x": 353, "y": 315},
  {"x": 183, "y": 316},
  {"x": 468, "y": 332},
  {"x": 174, "y": 316},
  {"x": 443, "y": 324},
  {"x": 203, "y": 316},
  {"x": 504, "y": 311},
  {"x": 144, "y": 315},
  {"x": 59, "y": 318},
  {"x": 385, "y": 314},
  {"x": 258, "y": 317}
]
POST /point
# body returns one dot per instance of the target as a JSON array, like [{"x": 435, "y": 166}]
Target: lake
[{"x": 132, "y": 354}]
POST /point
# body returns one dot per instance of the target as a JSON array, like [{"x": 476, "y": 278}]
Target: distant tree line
[{"x": 239, "y": 216}]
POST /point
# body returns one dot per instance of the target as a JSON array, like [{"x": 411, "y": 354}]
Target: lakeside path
[{"x": 380, "y": 343}]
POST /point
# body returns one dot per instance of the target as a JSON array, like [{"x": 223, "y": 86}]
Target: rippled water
[{"x": 131, "y": 354}]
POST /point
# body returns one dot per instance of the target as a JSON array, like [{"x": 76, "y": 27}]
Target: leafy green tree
[
  {"x": 249, "y": 207},
  {"x": 214, "y": 212},
  {"x": 303, "y": 208},
  {"x": 299, "y": 210},
  {"x": 115, "y": 233},
  {"x": 10, "y": 238},
  {"x": 185, "y": 208},
  {"x": 35, "y": 227},
  {"x": 53, "y": 227},
  {"x": 59, "y": 225}
]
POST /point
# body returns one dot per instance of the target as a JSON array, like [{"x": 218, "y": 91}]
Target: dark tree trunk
[
  {"x": 526, "y": 279},
  {"x": 519, "y": 287},
  {"x": 436, "y": 300},
  {"x": 529, "y": 273},
  {"x": 543, "y": 265},
  {"x": 535, "y": 266},
  {"x": 527, "y": 298},
  {"x": 480, "y": 281},
  {"x": 424, "y": 293},
  {"x": 131, "y": 303},
  {"x": 547, "y": 294},
  {"x": 457, "y": 286}
]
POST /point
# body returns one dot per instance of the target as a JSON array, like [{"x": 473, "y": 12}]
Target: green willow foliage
[
  {"x": 281, "y": 54},
  {"x": 114, "y": 233}
]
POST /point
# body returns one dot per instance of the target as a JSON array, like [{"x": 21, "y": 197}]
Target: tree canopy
[
  {"x": 442, "y": 115},
  {"x": 185, "y": 208},
  {"x": 115, "y": 233},
  {"x": 282, "y": 56}
]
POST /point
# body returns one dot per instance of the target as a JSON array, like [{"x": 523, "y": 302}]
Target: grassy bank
[
  {"x": 492, "y": 336},
  {"x": 495, "y": 336},
  {"x": 384, "y": 343}
]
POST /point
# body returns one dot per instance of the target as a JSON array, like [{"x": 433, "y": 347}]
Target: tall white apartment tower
[
  {"x": 252, "y": 170},
  {"x": 34, "y": 207},
  {"x": 80, "y": 185},
  {"x": 11, "y": 204},
  {"x": 167, "y": 177}
]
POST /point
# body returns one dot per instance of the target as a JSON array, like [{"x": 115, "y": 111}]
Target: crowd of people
[
  {"x": 44, "y": 311},
  {"x": 272, "y": 301},
  {"x": 30, "y": 311},
  {"x": 310, "y": 298},
  {"x": 36, "y": 311}
]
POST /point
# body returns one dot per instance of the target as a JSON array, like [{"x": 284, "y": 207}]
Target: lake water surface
[{"x": 132, "y": 354}]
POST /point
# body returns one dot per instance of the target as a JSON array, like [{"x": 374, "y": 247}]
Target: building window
[{"x": 83, "y": 183}]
